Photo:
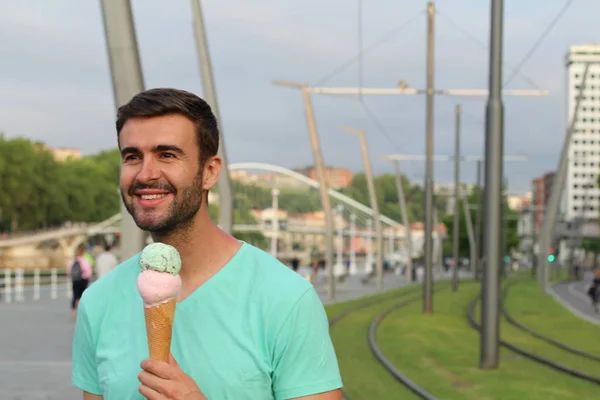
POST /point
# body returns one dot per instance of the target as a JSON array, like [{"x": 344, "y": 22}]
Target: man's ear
[{"x": 212, "y": 169}]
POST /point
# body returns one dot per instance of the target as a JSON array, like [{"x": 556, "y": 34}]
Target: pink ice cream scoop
[
  {"x": 159, "y": 279},
  {"x": 157, "y": 287}
]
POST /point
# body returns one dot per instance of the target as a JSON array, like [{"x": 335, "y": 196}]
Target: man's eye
[
  {"x": 130, "y": 157},
  {"x": 168, "y": 155}
]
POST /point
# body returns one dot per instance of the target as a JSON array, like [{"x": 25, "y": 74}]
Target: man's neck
[{"x": 204, "y": 249}]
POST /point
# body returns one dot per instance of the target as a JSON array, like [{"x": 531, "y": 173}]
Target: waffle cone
[{"x": 159, "y": 325}]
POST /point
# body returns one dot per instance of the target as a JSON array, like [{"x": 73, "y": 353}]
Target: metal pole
[
  {"x": 369, "y": 255},
  {"x": 373, "y": 202},
  {"x": 374, "y": 206},
  {"x": 323, "y": 189},
  {"x": 456, "y": 228},
  {"x": 504, "y": 219},
  {"x": 353, "y": 268},
  {"x": 478, "y": 222},
  {"x": 469, "y": 223},
  {"x": 492, "y": 240},
  {"x": 551, "y": 212},
  {"x": 407, "y": 232},
  {"x": 275, "y": 222},
  {"x": 210, "y": 95},
  {"x": 534, "y": 239},
  {"x": 127, "y": 81},
  {"x": 428, "y": 278},
  {"x": 339, "y": 262}
]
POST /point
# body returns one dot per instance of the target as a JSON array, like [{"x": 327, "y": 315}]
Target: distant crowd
[{"x": 85, "y": 266}]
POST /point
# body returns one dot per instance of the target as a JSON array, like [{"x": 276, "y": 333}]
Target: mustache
[{"x": 137, "y": 185}]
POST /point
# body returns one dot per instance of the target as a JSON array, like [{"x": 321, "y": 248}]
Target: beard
[{"x": 180, "y": 214}]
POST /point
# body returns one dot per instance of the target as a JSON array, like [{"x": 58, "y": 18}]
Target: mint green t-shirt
[{"x": 255, "y": 330}]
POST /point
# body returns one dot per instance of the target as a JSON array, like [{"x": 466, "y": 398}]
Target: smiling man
[{"x": 246, "y": 326}]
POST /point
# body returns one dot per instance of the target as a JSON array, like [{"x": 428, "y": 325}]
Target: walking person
[
  {"x": 105, "y": 262},
  {"x": 594, "y": 290},
  {"x": 80, "y": 272}
]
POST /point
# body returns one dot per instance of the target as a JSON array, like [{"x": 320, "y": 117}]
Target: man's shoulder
[
  {"x": 119, "y": 278},
  {"x": 272, "y": 275}
]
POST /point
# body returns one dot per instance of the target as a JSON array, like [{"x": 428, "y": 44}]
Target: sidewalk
[
  {"x": 35, "y": 340},
  {"x": 573, "y": 296}
]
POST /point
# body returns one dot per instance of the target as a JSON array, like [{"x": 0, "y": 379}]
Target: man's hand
[{"x": 166, "y": 381}]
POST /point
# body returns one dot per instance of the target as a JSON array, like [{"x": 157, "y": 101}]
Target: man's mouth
[{"x": 153, "y": 196}]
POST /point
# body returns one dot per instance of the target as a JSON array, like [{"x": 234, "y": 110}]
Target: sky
[{"x": 56, "y": 87}]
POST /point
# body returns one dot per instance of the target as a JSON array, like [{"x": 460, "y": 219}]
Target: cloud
[{"x": 56, "y": 83}]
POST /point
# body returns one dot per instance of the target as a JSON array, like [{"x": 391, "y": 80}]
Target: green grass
[
  {"x": 546, "y": 316},
  {"x": 560, "y": 328},
  {"x": 363, "y": 376},
  {"x": 440, "y": 353}
]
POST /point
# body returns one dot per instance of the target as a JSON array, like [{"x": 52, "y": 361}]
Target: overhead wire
[
  {"x": 539, "y": 41},
  {"x": 481, "y": 44},
  {"x": 391, "y": 34}
]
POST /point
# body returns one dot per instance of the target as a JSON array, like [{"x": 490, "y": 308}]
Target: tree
[
  {"x": 512, "y": 223},
  {"x": 592, "y": 246},
  {"x": 36, "y": 191},
  {"x": 387, "y": 196}
]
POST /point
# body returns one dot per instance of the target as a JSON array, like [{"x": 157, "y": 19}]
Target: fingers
[
  {"x": 150, "y": 394},
  {"x": 161, "y": 369},
  {"x": 156, "y": 387}
]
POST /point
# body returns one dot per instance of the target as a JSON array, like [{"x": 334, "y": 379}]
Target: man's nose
[{"x": 150, "y": 171}]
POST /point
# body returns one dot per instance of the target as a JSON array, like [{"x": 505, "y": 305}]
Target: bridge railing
[{"x": 17, "y": 285}]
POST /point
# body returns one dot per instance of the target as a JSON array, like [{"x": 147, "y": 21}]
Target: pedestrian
[
  {"x": 79, "y": 271},
  {"x": 105, "y": 262},
  {"x": 295, "y": 264},
  {"x": 594, "y": 289},
  {"x": 246, "y": 326}
]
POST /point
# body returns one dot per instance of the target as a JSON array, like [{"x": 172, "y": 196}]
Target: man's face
[{"x": 161, "y": 179}]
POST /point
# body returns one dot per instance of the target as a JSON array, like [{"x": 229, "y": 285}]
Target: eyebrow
[{"x": 156, "y": 149}]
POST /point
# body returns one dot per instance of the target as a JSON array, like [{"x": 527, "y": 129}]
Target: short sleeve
[
  {"x": 84, "y": 374},
  {"x": 304, "y": 358}
]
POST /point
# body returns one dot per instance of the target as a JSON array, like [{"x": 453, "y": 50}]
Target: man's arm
[
  {"x": 332, "y": 395},
  {"x": 89, "y": 396},
  {"x": 304, "y": 362}
]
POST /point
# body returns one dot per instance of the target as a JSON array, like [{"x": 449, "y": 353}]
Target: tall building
[
  {"x": 541, "y": 191},
  {"x": 584, "y": 152}
]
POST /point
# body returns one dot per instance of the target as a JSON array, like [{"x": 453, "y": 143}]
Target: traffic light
[{"x": 551, "y": 258}]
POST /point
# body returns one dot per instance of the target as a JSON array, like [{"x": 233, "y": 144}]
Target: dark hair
[{"x": 165, "y": 101}]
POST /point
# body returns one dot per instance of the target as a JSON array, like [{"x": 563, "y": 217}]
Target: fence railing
[{"x": 17, "y": 285}]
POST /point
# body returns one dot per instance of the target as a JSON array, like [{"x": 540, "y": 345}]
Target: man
[
  {"x": 105, "y": 262},
  {"x": 246, "y": 326}
]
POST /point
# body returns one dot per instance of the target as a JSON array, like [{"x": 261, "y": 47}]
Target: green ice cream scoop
[{"x": 160, "y": 257}]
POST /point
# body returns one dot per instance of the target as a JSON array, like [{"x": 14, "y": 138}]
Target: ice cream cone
[{"x": 159, "y": 328}]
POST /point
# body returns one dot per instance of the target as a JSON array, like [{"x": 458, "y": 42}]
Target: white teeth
[{"x": 153, "y": 196}]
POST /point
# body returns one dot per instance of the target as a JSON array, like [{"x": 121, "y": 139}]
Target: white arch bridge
[
  {"x": 111, "y": 224},
  {"x": 69, "y": 237}
]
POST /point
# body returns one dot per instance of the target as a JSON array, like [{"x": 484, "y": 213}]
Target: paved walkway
[
  {"x": 573, "y": 296},
  {"x": 35, "y": 339},
  {"x": 35, "y": 342},
  {"x": 35, "y": 350}
]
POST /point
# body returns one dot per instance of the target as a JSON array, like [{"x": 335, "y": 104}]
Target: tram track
[
  {"x": 527, "y": 354},
  {"x": 511, "y": 320}
]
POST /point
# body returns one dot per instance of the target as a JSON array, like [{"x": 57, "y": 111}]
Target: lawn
[
  {"x": 440, "y": 353},
  {"x": 545, "y": 315}
]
